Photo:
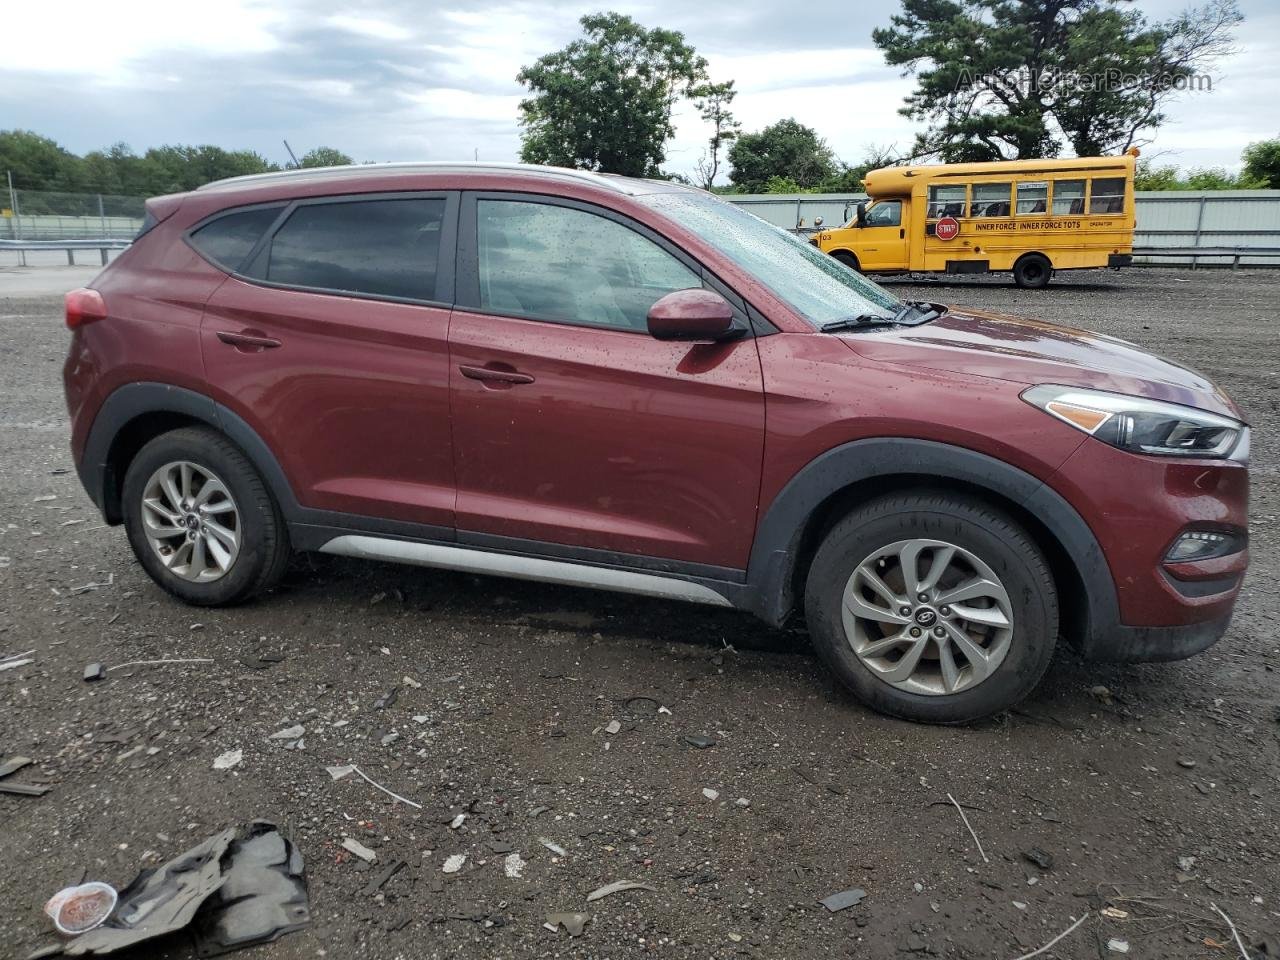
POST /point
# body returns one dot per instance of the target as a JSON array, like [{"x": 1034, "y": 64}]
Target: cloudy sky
[{"x": 408, "y": 79}]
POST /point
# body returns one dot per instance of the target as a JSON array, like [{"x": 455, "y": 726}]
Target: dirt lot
[{"x": 1160, "y": 802}]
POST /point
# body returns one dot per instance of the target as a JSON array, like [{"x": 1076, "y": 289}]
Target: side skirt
[{"x": 469, "y": 560}]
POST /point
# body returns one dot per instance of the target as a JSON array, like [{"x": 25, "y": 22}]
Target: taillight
[{"x": 84, "y": 306}]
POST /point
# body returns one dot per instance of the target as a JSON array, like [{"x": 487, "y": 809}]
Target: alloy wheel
[
  {"x": 191, "y": 521},
  {"x": 927, "y": 617}
]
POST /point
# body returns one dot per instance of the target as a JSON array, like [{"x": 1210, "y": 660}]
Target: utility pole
[{"x": 296, "y": 164}]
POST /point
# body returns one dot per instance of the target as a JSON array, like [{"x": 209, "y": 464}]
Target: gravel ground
[{"x": 1158, "y": 800}]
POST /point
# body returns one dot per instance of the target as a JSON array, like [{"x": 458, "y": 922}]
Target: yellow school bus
[{"x": 1030, "y": 217}]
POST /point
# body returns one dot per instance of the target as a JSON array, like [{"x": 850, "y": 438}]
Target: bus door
[{"x": 882, "y": 238}]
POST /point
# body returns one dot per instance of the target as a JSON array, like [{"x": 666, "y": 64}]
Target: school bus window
[
  {"x": 1068, "y": 198},
  {"x": 1107, "y": 196},
  {"x": 886, "y": 213},
  {"x": 946, "y": 201},
  {"x": 990, "y": 200},
  {"x": 1032, "y": 196}
]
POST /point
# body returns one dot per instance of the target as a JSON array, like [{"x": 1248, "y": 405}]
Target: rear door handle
[
  {"x": 494, "y": 374},
  {"x": 248, "y": 340}
]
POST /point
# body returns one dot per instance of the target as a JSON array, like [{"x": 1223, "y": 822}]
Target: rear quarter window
[{"x": 228, "y": 239}]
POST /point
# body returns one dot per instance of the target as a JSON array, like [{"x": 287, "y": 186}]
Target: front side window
[
  {"x": 990, "y": 200},
  {"x": 381, "y": 248},
  {"x": 946, "y": 201},
  {"x": 814, "y": 285},
  {"x": 547, "y": 262},
  {"x": 1068, "y": 198},
  {"x": 886, "y": 213},
  {"x": 1107, "y": 196},
  {"x": 1033, "y": 196},
  {"x": 227, "y": 240}
]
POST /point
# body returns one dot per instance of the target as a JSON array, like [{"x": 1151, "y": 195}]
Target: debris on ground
[
  {"x": 843, "y": 900},
  {"x": 612, "y": 727},
  {"x": 554, "y": 847},
  {"x": 379, "y": 881},
  {"x": 710, "y": 794},
  {"x": 225, "y": 761},
  {"x": 352, "y": 845},
  {"x": 289, "y": 733},
  {"x": 13, "y": 765},
  {"x": 94, "y": 671},
  {"x": 453, "y": 864},
  {"x": 1116, "y": 945},
  {"x": 337, "y": 773},
  {"x": 960, "y": 810},
  {"x": 513, "y": 866},
  {"x": 20, "y": 661},
  {"x": 699, "y": 740},
  {"x": 1115, "y": 913},
  {"x": 618, "y": 886},
  {"x": 1186, "y": 763},
  {"x": 238, "y": 888},
  {"x": 388, "y": 699},
  {"x": 1101, "y": 694},
  {"x": 573, "y": 923},
  {"x": 1039, "y": 857},
  {"x": 76, "y": 910}
]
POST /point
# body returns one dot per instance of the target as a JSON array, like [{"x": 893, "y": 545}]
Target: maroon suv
[{"x": 635, "y": 386}]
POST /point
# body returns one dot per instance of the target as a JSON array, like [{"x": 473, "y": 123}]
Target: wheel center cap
[
  {"x": 192, "y": 521},
  {"x": 926, "y": 617}
]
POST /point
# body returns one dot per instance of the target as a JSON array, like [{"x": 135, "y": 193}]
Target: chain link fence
[{"x": 49, "y": 215}]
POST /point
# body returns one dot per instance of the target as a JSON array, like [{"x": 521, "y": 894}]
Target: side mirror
[
  {"x": 817, "y": 221},
  {"x": 697, "y": 315},
  {"x": 862, "y": 214}
]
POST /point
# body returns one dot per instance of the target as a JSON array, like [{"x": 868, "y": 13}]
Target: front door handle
[
  {"x": 248, "y": 341},
  {"x": 494, "y": 375}
]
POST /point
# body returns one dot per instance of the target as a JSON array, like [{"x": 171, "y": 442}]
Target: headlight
[{"x": 1144, "y": 426}]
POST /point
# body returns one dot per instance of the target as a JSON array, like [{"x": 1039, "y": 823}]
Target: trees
[
  {"x": 786, "y": 151},
  {"x": 1010, "y": 79},
  {"x": 604, "y": 101},
  {"x": 712, "y": 101},
  {"x": 325, "y": 157},
  {"x": 1262, "y": 163}
]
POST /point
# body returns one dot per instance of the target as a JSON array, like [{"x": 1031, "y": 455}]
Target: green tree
[
  {"x": 713, "y": 101},
  {"x": 173, "y": 169},
  {"x": 1151, "y": 177},
  {"x": 38, "y": 163},
  {"x": 604, "y": 102},
  {"x": 325, "y": 157},
  {"x": 787, "y": 150},
  {"x": 1009, "y": 79},
  {"x": 1262, "y": 163}
]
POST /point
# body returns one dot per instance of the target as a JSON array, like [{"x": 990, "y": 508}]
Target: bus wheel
[
  {"x": 1032, "y": 271},
  {"x": 848, "y": 259}
]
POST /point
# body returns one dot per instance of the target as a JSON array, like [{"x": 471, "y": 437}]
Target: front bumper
[{"x": 1137, "y": 507}]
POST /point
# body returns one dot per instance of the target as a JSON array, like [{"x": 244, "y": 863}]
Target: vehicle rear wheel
[
  {"x": 848, "y": 259},
  {"x": 200, "y": 519},
  {"x": 932, "y": 607},
  {"x": 1032, "y": 271}
]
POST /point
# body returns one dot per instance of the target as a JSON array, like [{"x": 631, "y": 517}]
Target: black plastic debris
[
  {"x": 238, "y": 888},
  {"x": 1039, "y": 857},
  {"x": 94, "y": 671}
]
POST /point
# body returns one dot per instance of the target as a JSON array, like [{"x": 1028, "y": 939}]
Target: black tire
[
  {"x": 1032, "y": 271},
  {"x": 848, "y": 259},
  {"x": 971, "y": 524},
  {"x": 264, "y": 540}
]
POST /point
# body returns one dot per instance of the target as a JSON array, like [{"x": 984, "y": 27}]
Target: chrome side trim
[{"x": 522, "y": 568}]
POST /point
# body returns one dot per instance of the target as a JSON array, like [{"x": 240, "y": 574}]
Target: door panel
[
  {"x": 882, "y": 243},
  {"x": 353, "y": 401},
  {"x": 609, "y": 439}
]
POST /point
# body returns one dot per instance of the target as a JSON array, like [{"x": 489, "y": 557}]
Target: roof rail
[{"x": 425, "y": 166}]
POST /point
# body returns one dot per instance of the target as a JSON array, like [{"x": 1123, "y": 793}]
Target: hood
[{"x": 1001, "y": 347}]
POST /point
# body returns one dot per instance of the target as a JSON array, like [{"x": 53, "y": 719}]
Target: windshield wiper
[{"x": 910, "y": 314}]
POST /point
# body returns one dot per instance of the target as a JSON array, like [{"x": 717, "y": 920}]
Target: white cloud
[{"x": 370, "y": 27}]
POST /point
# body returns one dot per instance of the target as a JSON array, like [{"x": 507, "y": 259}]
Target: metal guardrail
[
  {"x": 70, "y": 246},
  {"x": 1195, "y": 253}
]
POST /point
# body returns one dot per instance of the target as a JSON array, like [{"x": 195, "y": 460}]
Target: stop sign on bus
[{"x": 948, "y": 228}]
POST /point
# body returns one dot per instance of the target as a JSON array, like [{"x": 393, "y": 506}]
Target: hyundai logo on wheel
[{"x": 948, "y": 228}]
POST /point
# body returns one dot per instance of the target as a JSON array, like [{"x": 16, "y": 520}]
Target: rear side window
[
  {"x": 384, "y": 248},
  {"x": 1107, "y": 196},
  {"x": 227, "y": 240}
]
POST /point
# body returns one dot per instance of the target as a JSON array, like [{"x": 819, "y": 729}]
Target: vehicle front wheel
[
  {"x": 848, "y": 259},
  {"x": 200, "y": 519},
  {"x": 932, "y": 607},
  {"x": 1032, "y": 271}
]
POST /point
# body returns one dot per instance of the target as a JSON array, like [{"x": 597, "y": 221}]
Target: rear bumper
[{"x": 1116, "y": 260}]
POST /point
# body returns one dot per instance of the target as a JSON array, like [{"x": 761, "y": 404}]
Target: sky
[{"x": 426, "y": 80}]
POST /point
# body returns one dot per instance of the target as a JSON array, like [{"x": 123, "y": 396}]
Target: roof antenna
[
  {"x": 477, "y": 153},
  {"x": 296, "y": 164}
]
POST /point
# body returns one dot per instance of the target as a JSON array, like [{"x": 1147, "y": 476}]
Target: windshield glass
[{"x": 817, "y": 287}]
